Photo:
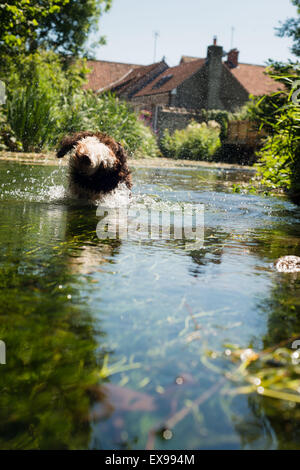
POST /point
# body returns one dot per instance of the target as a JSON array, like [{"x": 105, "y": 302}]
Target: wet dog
[{"x": 97, "y": 164}]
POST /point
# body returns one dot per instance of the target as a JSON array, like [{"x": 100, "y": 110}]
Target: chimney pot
[
  {"x": 233, "y": 58},
  {"x": 215, "y": 41}
]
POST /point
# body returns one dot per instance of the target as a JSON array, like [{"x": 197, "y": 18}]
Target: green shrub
[
  {"x": 279, "y": 164},
  {"x": 273, "y": 169},
  {"x": 8, "y": 139},
  {"x": 35, "y": 87},
  {"x": 86, "y": 111},
  {"x": 148, "y": 146},
  {"x": 31, "y": 115},
  {"x": 220, "y": 116},
  {"x": 195, "y": 142},
  {"x": 45, "y": 101}
]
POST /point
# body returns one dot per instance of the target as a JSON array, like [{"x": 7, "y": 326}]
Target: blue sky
[{"x": 187, "y": 27}]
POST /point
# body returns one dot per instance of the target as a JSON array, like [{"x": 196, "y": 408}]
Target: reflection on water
[{"x": 106, "y": 339}]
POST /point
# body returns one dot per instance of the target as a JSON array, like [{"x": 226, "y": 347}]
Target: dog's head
[
  {"x": 90, "y": 152},
  {"x": 90, "y": 155},
  {"x": 97, "y": 161}
]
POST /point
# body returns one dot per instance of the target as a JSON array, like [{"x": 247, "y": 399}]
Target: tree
[
  {"x": 291, "y": 28},
  {"x": 66, "y": 31},
  {"x": 62, "y": 25}
]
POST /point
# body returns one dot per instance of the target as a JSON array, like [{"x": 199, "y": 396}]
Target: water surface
[{"x": 106, "y": 339}]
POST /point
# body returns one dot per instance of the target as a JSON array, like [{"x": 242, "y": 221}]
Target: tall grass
[{"x": 31, "y": 115}]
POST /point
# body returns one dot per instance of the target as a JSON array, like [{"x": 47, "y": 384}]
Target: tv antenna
[
  {"x": 156, "y": 36},
  {"x": 232, "y": 36}
]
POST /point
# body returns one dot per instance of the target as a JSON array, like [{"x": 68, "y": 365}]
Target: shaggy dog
[{"x": 97, "y": 164}]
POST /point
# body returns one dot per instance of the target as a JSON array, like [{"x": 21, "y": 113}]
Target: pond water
[{"x": 106, "y": 340}]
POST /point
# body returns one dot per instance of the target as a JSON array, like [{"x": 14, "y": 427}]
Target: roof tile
[
  {"x": 254, "y": 79},
  {"x": 179, "y": 74},
  {"x": 105, "y": 73}
]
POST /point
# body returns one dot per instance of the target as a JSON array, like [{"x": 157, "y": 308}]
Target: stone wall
[
  {"x": 158, "y": 99},
  {"x": 192, "y": 93},
  {"x": 173, "y": 118}
]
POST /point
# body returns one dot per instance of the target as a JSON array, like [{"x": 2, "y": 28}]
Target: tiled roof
[
  {"x": 105, "y": 73},
  {"x": 187, "y": 58},
  {"x": 120, "y": 76},
  {"x": 171, "y": 78},
  {"x": 254, "y": 80},
  {"x": 252, "y": 77},
  {"x": 133, "y": 77}
]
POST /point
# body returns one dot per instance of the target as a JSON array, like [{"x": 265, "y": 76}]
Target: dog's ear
[
  {"x": 121, "y": 152},
  {"x": 66, "y": 145},
  {"x": 69, "y": 142}
]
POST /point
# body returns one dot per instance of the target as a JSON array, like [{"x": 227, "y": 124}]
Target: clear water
[{"x": 106, "y": 339}]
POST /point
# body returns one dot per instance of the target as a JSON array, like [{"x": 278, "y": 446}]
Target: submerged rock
[{"x": 288, "y": 264}]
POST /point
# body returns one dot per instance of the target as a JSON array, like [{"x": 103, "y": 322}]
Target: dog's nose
[{"x": 85, "y": 159}]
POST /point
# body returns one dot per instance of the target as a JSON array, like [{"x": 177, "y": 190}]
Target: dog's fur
[{"x": 97, "y": 165}]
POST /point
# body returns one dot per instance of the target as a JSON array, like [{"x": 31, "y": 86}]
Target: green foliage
[
  {"x": 196, "y": 142},
  {"x": 31, "y": 116},
  {"x": 291, "y": 28},
  {"x": 86, "y": 111},
  {"x": 46, "y": 68},
  {"x": 8, "y": 139},
  {"x": 20, "y": 21},
  {"x": 273, "y": 373},
  {"x": 279, "y": 164},
  {"x": 45, "y": 101},
  {"x": 34, "y": 90},
  {"x": 61, "y": 25},
  {"x": 67, "y": 31},
  {"x": 248, "y": 112},
  {"x": 220, "y": 116},
  {"x": 273, "y": 169},
  {"x": 148, "y": 146}
]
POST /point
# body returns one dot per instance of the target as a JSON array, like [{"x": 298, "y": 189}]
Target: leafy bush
[
  {"x": 220, "y": 116},
  {"x": 247, "y": 112},
  {"x": 31, "y": 115},
  {"x": 35, "y": 87},
  {"x": 8, "y": 139},
  {"x": 148, "y": 146},
  {"x": 45, "y": 101},
  {"x": 279, "y": 164},
  {"x": 273, "y": 169},
  {"x": 195, "y": 142},
  {"x": 87, "y": 111}
]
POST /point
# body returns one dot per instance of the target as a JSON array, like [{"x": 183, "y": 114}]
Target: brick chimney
[
  {"x": 214, "y": 75},
  {"x": 233, "y": 58}
]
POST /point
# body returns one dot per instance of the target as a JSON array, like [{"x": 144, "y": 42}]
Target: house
[
  {"x": 194, "y": 84},
  {"x": 127, "y": 87},
  {"x": 209, "y": 83},
  {"x": 104, "y": 73}
]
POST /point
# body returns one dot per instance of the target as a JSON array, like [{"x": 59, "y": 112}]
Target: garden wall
[{"x": 173, "y": 118}]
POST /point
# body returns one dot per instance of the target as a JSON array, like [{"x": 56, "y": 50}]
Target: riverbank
[{"x": 159, "y": 162}]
